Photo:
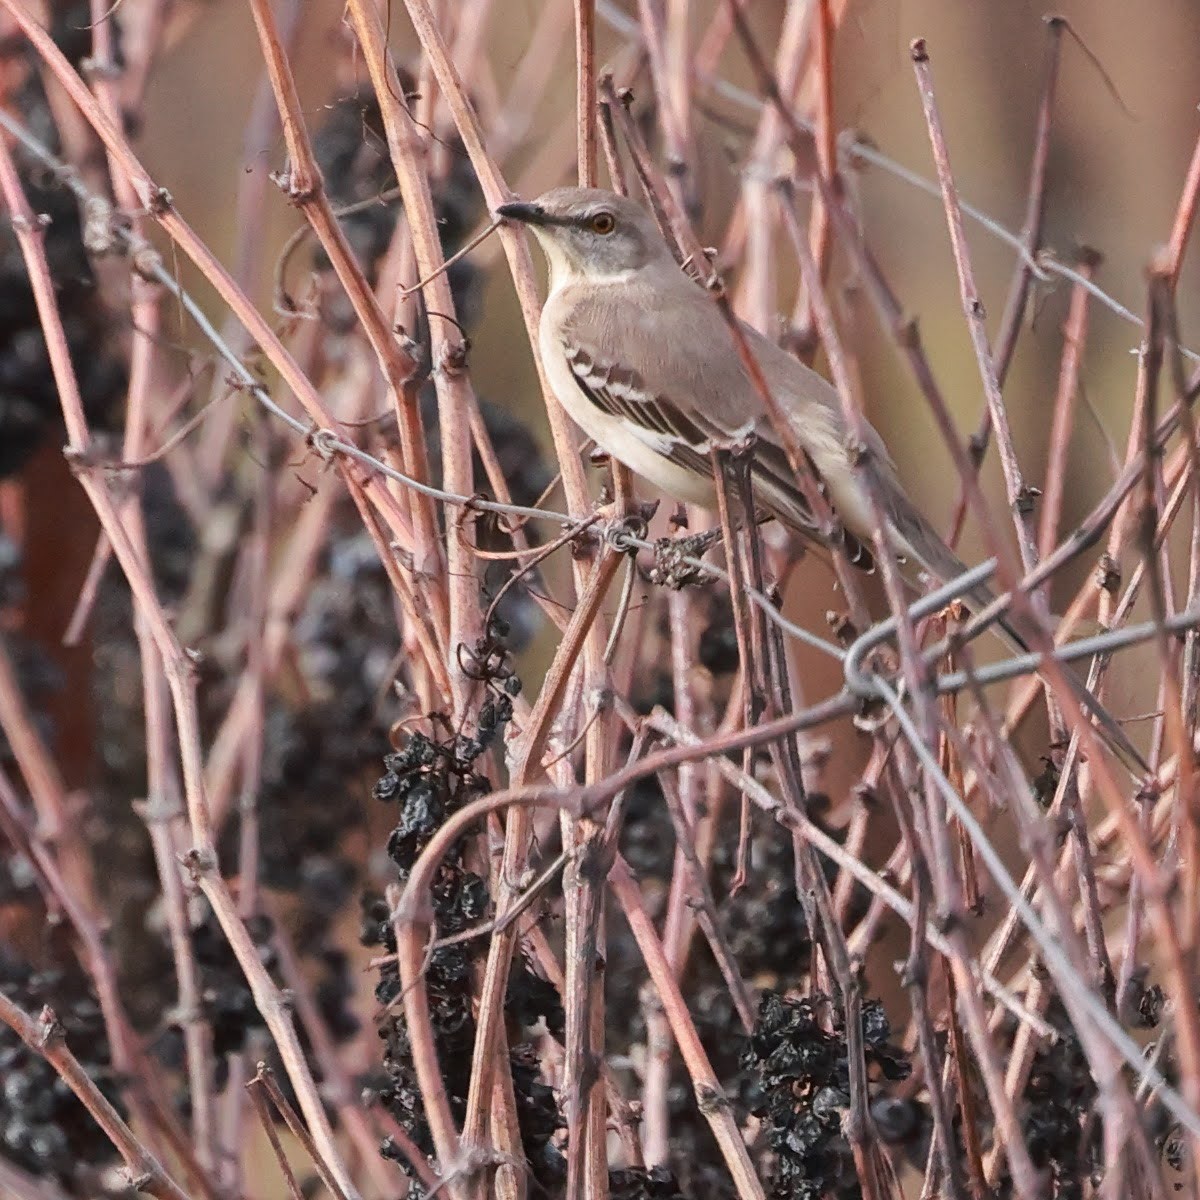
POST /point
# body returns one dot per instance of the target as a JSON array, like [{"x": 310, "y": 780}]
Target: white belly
[{"x": 620, "y": 438}]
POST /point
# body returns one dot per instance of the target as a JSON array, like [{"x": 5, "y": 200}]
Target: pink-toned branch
[
  {"x": 201, "y": 858},
  {"x": 45, "y": 1036}
]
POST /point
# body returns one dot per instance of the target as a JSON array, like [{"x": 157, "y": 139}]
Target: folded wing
[{"x": 685, "y": 434}]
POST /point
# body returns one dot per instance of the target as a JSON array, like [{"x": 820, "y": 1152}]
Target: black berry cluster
[
  {"x": 43, "y": 1127},
  {"x": 657, "y": 1183},
  {"x": 351, "y": 149},
  {"x": 801, "y": 1090},
  {"x": 29, "y": 403},
  {"x": 1058, "y": 1103},
  {"x": 429, "y": 780},
  {"x": 1060, "y": 1122}
]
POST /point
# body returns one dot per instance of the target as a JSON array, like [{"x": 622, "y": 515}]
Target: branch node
[
  {"x": 23, "y": 224},
  {"x": 711, "y": 1099},
  {"x": 1026, "y": 498},
  {"x": 94, "y": 68},
  {"x": 50, "y": 1029},
  {"x": 858, "y": 451},
  {"x": 199, "y": 862},
  {"x": 946, "y": 923},
  {"x": 1108, "y": 574},
  {"x": 99, "y": 236},
  {"x": 159, "y": 202},
  {"x": 79, "y": 461},
  {"x": 842, "y": 627},
  {"x": 298, "y": 187},
  {"x": 156, "y": 810},
  {"x": 453, "y": 359}
]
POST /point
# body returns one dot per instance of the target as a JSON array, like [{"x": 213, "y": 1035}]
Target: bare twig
[{"x": 46, "y": 1037}]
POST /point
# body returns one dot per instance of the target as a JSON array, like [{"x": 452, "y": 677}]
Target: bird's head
[{"x": 590, "y": 233}]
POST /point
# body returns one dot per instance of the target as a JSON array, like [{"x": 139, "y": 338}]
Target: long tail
[{"x": 935, "y": 558}]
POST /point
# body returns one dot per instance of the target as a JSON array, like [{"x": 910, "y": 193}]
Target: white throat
[{"x": 564, "y": 271}]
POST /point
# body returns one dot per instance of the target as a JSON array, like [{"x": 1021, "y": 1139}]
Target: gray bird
[{"x": 643, "y": 361}]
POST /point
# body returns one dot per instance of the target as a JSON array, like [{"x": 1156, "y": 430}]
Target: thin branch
[{"x": 47, "y": 1038}]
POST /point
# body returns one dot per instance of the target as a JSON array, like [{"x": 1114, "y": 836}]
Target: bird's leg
[
  {"x": 739, "y": 512},
  {"x": 749, "y": 639}
]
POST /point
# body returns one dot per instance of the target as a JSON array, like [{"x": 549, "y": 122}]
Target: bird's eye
[{"x": 604, "y": 223}]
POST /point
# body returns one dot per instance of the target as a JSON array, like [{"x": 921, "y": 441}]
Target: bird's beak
[{"x": 527, "y": 214}]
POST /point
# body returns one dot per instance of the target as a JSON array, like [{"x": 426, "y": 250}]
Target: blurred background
[
  {"x": 1124, "y": 127},
  {"x": 1125, "y": 120},
  {"x": 1124, "y": 124}
]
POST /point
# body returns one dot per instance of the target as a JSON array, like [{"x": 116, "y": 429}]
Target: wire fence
[{"x": 655, "y": 824}]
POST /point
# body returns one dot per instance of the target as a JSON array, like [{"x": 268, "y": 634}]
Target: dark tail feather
[
  {"x": 939, "y": 561},
  {"x": 1107, "y": 725}
]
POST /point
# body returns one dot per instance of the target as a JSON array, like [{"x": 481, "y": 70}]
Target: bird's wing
[
  {"x": 672, "y": 420},
  {"x": 924, "y": 550}
]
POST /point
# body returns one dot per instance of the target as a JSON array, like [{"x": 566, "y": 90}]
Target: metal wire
[
  {"x": 1055, "y": 957},
  {"x": 327, "y": 442},
  {"x": 1043, "y": 265},
  {"x": 863, "y": 683},
  {"x": 859, "y": 682},
  {"x": 866, "y": 683}
]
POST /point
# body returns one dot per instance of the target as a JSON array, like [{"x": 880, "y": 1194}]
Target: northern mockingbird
[{"x": 642, "y": 359}]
